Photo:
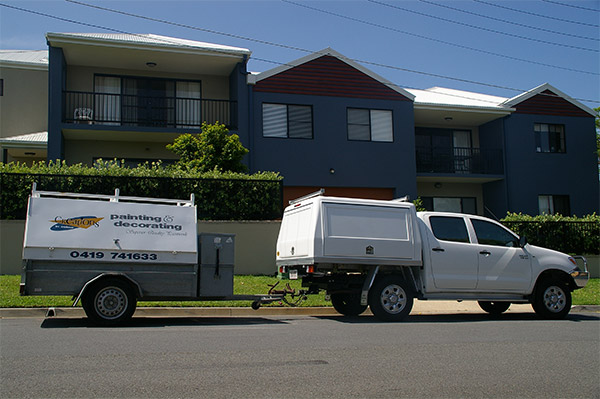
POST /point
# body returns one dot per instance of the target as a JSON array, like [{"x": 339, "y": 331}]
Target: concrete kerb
[{"x": 420, "y": 308}]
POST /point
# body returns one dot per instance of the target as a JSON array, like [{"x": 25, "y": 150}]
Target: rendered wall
[
  {"x": 84, "y": 151},
  {"x": 254, "y": 246},
  {"x": 428, "y": 189},
  {"x": 82, "y": 79},
  {"x": 24, "y": 103}
]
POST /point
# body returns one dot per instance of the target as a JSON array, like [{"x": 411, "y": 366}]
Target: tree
[{"x": 212, "y": 149}]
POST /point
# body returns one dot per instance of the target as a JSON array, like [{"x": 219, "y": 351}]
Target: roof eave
[
  {"x": 60, "y": 38},
  {"x": 463, "y": 108},
  {"x": 23, "y": 65}
]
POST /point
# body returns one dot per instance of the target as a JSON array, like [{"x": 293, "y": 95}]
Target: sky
[{"x": 496, "y": 47}]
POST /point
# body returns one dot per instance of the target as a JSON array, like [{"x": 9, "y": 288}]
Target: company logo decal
[{"x": 79, "y": 222}]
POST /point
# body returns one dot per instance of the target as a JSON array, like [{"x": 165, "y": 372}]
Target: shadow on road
[
  {"x": 153, "y": 322},
  {"x": 459, "y": 318}
]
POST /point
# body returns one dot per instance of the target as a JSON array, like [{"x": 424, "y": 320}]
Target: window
[
  {"x": 549, "y": 138},
  {"x": 370, "y": 125},
  {"x": 157, "y": 102},
  {"x": 449, "y": 228},
  {"x": 287, "y": 121},
  {"x": 1, "y": 87},
  {"x": 492, "y": 234},
  {"x": 554, "y": 204},
  {"x": 451, "y": 204}
]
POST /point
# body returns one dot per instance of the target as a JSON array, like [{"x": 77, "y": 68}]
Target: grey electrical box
[{"x": 216, "y": 260}]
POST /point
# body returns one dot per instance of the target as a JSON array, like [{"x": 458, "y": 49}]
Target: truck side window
[
  {"x": 449, "y": 228},
  {"x": 491, "y": 234}
]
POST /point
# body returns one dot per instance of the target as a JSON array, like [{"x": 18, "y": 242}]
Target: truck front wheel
[
  {"x": 390, "y": 298},
  {"x": 109, "y": 302},
  {"x": 552, "y": 299},
  {"x": 347, "y": 304}
]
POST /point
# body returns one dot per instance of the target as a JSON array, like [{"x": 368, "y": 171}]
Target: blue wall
[
  {"x": 495, "y": 200},
  {"x": 239, "y": 92},
  {"x": 56, "y": 85},
  {"x": 304, "y": 162},
  {"x": 529, "y": 173}
]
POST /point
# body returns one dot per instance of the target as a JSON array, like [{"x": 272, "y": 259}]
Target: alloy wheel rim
[
  {"x": 393, "y": 298},
  {"x": 555, "y": 299}
]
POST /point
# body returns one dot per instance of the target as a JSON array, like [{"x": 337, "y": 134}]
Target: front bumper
[{"x": 580, "y": 277}]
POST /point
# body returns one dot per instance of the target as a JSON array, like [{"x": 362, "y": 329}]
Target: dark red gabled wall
[
  {"x": 327, "y": 76},
  {"x": 548, "y": 103}
]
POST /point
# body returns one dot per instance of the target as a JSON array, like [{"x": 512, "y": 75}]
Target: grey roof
[
  {"x": 147, "y": 39},
  {"x": 38, "y": 139},
  {"x": 24, "y": 58}
]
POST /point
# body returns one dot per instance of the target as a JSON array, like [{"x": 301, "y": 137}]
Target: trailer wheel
[
  {"x": 109, "y": 302},
  {"x": 494, "y": 308},
  {"x": 391, "y": 298},
  {"x": 347, "y": 304},
  {"x": 552, "y": 299}
]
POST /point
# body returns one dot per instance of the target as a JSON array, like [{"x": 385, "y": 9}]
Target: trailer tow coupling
[{"x": 296, "y": 297}]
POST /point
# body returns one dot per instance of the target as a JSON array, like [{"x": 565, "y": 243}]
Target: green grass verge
[{"x": 243, "y": 285}]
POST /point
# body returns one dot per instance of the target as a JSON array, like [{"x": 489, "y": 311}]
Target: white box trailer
[{"x": 109, "y": 251}]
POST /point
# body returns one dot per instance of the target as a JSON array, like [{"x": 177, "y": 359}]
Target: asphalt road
[{"x": 439, "y": 356}]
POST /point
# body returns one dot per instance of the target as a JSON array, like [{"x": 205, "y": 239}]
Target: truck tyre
[
  {"x": 347, "y": 304},
  {"x": 109, "y": 302},
  {"x": 494, "y": 308},
  {"x": 552, "y": 299},
  {"x": 390, "y": 298}
]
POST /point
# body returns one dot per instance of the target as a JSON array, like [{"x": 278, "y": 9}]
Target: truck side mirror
[{"x": 522, "y": 241}]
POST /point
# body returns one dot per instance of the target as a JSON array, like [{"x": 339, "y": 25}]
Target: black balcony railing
[
  {"x": 460, "y": 160},
  {"x": 150, "y": 111}
]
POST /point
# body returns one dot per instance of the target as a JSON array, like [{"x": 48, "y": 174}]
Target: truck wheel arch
[
  {"x": 137, "y": 289},
  {"x": 556, "y": 275}
]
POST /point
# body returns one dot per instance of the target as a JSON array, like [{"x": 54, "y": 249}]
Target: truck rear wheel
[
  {"x": 390, "y": 298},
  {"x": 494, "y": 308},
  {"x": 552, "y": 299},
  {"x": 347, "y": 304},
  {"x": 109, "y": 302}
]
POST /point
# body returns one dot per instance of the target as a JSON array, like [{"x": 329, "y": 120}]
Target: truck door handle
[
  {"x": 485, "y": 253},
  {"x": 438, "y": 249}
]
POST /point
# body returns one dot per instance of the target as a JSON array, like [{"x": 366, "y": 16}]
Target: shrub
[
  {"x": 562, "y": 233},
  {"x": 219, "y": 195}
]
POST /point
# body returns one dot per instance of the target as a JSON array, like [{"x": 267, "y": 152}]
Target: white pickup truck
[{"x": 384, "y": 254}]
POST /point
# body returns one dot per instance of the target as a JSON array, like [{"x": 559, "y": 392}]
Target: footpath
[{"x": 419, "y": 308}]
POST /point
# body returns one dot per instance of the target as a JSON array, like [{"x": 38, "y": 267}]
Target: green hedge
[
  {"x": 562, "y": 233},
  {"x": 219, "y": 196}
]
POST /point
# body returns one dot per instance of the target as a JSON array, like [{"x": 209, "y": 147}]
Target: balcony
[
  {"x": 460, "y": 160},
  {"x": 146, "y": 111}
]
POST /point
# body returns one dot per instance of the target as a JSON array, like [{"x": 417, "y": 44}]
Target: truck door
[
  {"x": 503, "y": 265},
  {"x": 453, "y": 257}
]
